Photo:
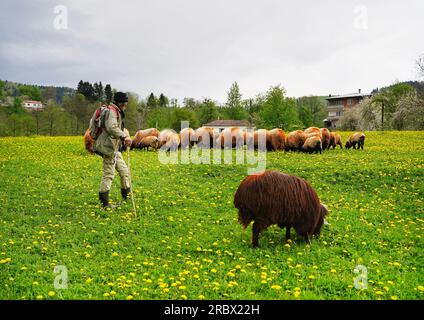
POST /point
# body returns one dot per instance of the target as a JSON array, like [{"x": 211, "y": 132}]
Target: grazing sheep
[
  {"x": 172, "y": 142},
  {"x": 140, "y": 134},
  {"x": 335, "y": 139},
  {"x": 188, "y": 138},
  {"x": 205, "y": 137},
  {"x": 313, "y": 144},
  {"x": 325, "y": 133},
  {"x": 295, "y": 140},
  {"x": 356, "y": 138},
  {"x": 276, "y": 198},
  {"x": 256, "y": 135},
  {"x": 277, "y": 140},
  {"x": 313, "y": 130},
  {"x": 149, "y": 142},
  {"x": 163, "y": 136},
  {"x": 230, "y": 138}
]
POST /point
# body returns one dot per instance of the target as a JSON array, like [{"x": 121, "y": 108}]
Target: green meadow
[{"x": 186, "y": 243}]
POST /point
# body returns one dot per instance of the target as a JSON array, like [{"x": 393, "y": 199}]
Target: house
[
  {"x": 33, "y": 105},
  {"x": 222, "y": 124},
  {"x": 337, "y": 105}
]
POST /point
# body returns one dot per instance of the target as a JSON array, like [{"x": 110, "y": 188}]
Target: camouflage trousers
[{"x": 109, "y": 166}]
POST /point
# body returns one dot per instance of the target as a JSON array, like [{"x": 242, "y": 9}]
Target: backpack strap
[{"x": 114, "y": 109}]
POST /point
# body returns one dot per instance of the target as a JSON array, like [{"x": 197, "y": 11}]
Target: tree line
[
  {"x": 396, "y": 107},
  {"x": 72, "y": 115}
]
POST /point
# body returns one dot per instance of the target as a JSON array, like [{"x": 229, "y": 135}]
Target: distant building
[
  {"x": 337, "y": 105},
  {"x": 222, "y": 124},
  {"x": 33, "y": 105}
]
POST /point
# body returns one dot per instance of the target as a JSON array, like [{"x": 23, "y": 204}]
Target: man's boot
[
  {"x": 125, "y": 193},
  {"x": 104, "y": 199}
]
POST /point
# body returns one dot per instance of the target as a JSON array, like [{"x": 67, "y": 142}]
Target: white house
[{"x": 33, "y": 105}]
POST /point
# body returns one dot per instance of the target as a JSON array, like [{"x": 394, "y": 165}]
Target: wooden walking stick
[{"x": 129, "y": 174}]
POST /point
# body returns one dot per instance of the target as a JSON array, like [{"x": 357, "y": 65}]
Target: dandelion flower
[{"x": 51, "y": 293}]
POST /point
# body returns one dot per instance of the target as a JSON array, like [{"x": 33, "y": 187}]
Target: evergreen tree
[
  {"x": 152, "y": 102},
  {"x": 108, "y": 93},
  {"x": 163, "y": 101}
]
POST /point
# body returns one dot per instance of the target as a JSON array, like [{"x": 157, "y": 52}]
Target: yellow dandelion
[
  {"x": 394, "y": 298},
  {"x": 115, "y": 254},
  {"x": 89, "y": 280},
  {"x": 333, "y": 270},
  {"x": 201, "y": 297},
  {"x": 276, "y": 287},
  {"x": 182, "y": 287},
  {"x": 184, "y": 297},
  {"x": 106, "y": 294},
  {"x": 130, "y": 297},
  {"x": 421, "y": 288},
  {"x": 51, "y": 293},
  {"x": 379, "y": 293}
]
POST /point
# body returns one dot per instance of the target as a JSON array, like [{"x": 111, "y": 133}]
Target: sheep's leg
[
  {"x": 288, "y": 233},
  {"x": 256, "y": 229},
  {"x": 308, "y": 238}
]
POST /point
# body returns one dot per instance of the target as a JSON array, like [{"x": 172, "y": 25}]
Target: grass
[{"x": 186, "y": 242}]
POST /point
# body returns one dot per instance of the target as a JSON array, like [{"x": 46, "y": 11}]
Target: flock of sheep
[{"x": 311, "y": 140}]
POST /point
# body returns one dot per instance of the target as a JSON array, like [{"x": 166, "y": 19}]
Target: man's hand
[{"x": 128, "y": 141}]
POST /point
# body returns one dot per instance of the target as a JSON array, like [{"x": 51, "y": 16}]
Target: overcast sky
[{"x": 197, "y": 48}]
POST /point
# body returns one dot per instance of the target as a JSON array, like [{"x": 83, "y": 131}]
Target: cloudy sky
[{"x": 197, "y": 48}]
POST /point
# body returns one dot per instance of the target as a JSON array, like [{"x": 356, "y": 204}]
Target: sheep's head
[{"x": 348, "y": 145}]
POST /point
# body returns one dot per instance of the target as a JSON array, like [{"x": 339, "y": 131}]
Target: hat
[{"x": 120, "y": 97}]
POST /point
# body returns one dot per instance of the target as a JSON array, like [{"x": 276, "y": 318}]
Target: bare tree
[{"x": 420, "y": 65}]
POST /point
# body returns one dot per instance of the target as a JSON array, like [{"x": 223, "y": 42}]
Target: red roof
[{"x": 32, "y": 101}]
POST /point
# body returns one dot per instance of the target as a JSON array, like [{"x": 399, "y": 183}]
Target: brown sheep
[
  {"x": 276, "y": 198},
  {"x": 140, "y": 134},
  {"x": 163, "y": 136},
  {"x": 230, "y": 138},
  {"x": 335, "y": 139},
  {"x": 188, "y": 137},
  {"x": 277, "y": 140},
  {"x": 325, "y": 133},
  {"x": 356, "y": 138},
  {"x": 313, "y": 144},
  {"x": 172, "y": 142},
  {"x": 256, "y": 135},
  {"x": 295, "y": 140},
  {"x": 312, "y": 130},
  {"x": 205, "y": 137},
  {"x": 149, "y": 142}
]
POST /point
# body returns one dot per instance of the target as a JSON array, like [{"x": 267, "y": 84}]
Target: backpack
[{"x": 96, "y": 125}]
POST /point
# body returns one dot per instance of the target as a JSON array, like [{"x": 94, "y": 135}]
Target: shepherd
[{"x": 108, "y": 144}]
